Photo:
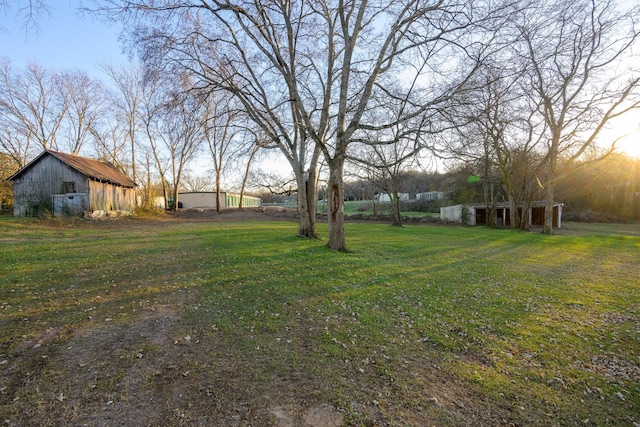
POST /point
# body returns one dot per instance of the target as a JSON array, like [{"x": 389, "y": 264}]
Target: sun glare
[{"x": 627, "y": 129}]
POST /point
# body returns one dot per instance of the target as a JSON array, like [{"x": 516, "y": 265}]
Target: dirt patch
[
  {"x": 98, "y": 377},
  {"x": 106, "y": 369},
  {"x": 155, "y": 369},
  {"x": 319, "y": 416}
]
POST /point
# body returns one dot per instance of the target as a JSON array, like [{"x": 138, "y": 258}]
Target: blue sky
[
  {"x": 65, "y": 39},
  {"x": 68, "y": 40}
]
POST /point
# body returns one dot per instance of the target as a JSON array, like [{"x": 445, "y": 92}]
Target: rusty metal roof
[{"x": 97, "y": 170}]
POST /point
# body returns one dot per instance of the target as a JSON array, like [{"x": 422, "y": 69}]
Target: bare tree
[
  {"x": 30, "y": 12},
  {"x": 12, "y": 143},
  {"x": 8, "y": 166},
  {"x": 149, "y": 189},
  {"x": 309, "y": 73},
  {"x": 85, "y": 99},
  {"x": 579, "y": 70},
  {"x": 273, "y": 183},
  {"x": 198, "y": 183},
  {"x": 221, "y": 129},
  {"x": 383, "y": 165},
  {"x": 110, "y": 141},
  {"x": 33, "y": 109},
  {"x": 127, "y": 102},
  {"x": 496, "y": 129},
  {"x": 179, "y": 125},
  {"x": 252, "y": 153},
  {"x": 150, "y": 110},
  {"x": 44, "y": 110}
]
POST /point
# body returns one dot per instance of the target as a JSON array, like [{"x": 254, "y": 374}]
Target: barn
[{"x": 66, "y": 184}]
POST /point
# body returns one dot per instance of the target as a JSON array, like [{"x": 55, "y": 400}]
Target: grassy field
[{"x": 141, "y": 322}]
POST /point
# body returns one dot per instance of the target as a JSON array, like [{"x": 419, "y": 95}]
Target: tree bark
[
  {"x": 337, "y": 240},
  {"x": 550, "y": 185},
  {"x": 218, "y": 183},
  {"x": 311, "y": 187},
  {"x": 307, "y": 226},
  {"x": 514, "y": 218},
  {"x": 307, "y": 192},
  {"x": 254, "y": 150},
  {"x": 395, "y": 209},
  {"x": 548, "y": 208}
]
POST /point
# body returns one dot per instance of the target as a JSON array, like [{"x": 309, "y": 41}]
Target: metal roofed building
[{"x": 66, "y": 184}]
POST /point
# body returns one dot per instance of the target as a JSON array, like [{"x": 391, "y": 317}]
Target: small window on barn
[{"x": 68, "y": 187}]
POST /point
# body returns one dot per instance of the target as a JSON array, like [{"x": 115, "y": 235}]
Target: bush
[
  {"x": 589, "y": 215},
  {"x": 427, "y": 206},
  {"x": 148, "y": 212}
]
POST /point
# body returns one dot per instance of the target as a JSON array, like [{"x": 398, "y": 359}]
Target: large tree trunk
[
  {"x": 550, "y": 186},
  {"x": 308, "y": 195},
  {"x": 524, "y": 215},
  {"x": 508, "y": 187},
  {"x": 548, "y": 208},
  {"x": 175, "y": 196},
  {"x": 307, "y": 206},
  {"x": 312, "y": 198},
  {"x": 514, "y": 217},
  {"x": 395, "y": 209},
  {"x": 254, "y": 150},
  {"x": 374, "y": 207},
  {"x": 165, "y": 193},
  {"x": 218, "y": 182},
  {"x": 337, "y": 240}
]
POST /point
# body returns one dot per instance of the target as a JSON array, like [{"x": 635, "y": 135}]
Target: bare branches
[
  {"x": 32, "y": 109},
  {"x": 574, "y": 56},
  {"x": 30, "y": 12}
]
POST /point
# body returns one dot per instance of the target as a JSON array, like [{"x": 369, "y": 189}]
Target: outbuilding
[
  {"x": 476, "y": 214},
  {"x": 66, "y": 184},
  {"x": 386, "y": 197},
  {"x": 207, "y": 200}
]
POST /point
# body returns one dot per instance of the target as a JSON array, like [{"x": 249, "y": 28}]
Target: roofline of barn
[{"x": 65, "y": 157}]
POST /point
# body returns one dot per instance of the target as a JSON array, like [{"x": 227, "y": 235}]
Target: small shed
[
  {"x": 476, "y": 214},
  {"x": 66, "y": 184}
]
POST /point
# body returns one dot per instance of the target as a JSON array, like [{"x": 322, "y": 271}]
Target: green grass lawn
[{"x": 419, "y": 325}]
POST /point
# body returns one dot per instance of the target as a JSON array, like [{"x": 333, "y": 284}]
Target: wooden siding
[
  {"x": 35, "y": 187},
  {"x": 70, "y": 204},
  {"x": 107, "y": 197},
  {"x": 33, "y": 190}
]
